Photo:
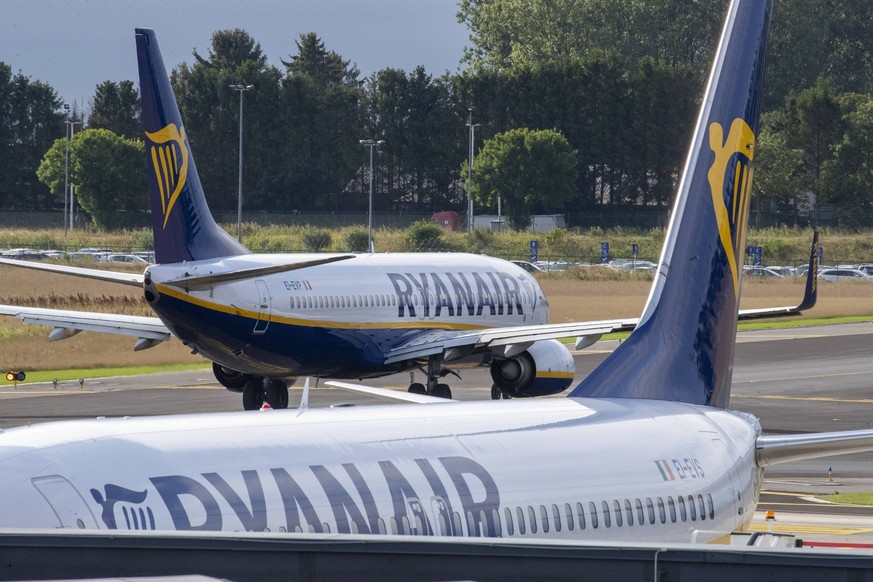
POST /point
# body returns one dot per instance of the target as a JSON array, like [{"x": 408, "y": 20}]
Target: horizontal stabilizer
[
  {"x": 776, "y": 449},
  {"x": 132, "y": 279},
  {"x": 72, "y": 321},
  {"x": 204, "y": 280}
]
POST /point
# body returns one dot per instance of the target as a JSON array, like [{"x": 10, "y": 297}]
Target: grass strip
[
  {"x": 88, "y": 373},
  {"x": 849, "y": 498}
]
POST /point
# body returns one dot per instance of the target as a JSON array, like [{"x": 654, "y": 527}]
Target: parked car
[
  {"x": 529, "y": 267},
  {"x": 755, "y": 271},
  {"x": 838, "y": 274},
  {"x": 124, "y": 258}
]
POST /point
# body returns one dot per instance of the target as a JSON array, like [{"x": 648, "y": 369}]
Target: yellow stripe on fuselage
[{"x": 254, "y": 315}]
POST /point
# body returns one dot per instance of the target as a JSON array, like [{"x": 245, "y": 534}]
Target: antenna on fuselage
[{"x": 304, "y": 400}]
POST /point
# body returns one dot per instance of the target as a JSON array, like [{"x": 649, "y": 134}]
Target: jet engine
[
  {"x": 231, "y": 379},
  {"x": 544, "y": 368}
]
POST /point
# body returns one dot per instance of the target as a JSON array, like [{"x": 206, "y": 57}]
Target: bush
[
  {"x": 357, "y": 240},
  {"x": 316, "y": 239},
  {"x": 424, "y": 236}
]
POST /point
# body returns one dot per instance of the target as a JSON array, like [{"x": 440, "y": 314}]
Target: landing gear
[
  {"x": 257, "y": 391},
  {"x": 434, "y": 372},
  {"x": 498, "y": 394}
]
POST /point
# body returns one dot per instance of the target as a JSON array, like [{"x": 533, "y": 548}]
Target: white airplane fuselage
[
  {"x": 623, "y": 470},
  {"x": 337, "y": 319}
]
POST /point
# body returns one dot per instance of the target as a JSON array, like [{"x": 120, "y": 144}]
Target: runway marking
[
  {"x": 808, "y": 377},
  {"x": 809, "y": 398}
]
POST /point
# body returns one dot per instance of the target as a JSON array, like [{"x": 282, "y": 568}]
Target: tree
[
  {"x": 106, "y": 169},
  {"x": 529, "y": 170},
  {"x": 508, "y": 34},
  {"x": 779, "y": 174},
  {"x": 851, "y": 170},
  {"x": 210, "y": 109},
  {"x": 116, "y": 107},
  {"x": 29, "y": 121}
]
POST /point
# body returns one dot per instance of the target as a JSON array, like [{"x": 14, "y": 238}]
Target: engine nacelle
[
  {"x": 230, "y": 379},
  {"x": 545, "y": 368}
]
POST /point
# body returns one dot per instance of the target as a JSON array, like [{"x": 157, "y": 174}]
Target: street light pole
[
  {"x": 369, "y": 143},
  {"x": 71, "y": 128},
  {"x": 470, "y": 174},
  {"x": 242, "y": 89},
  {"x": 66, "y": 162}
]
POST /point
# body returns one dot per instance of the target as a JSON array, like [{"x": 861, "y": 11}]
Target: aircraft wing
[
  {"x": 148, "y": 330},
  {"x": 512, "y": 340},
  {"x": 133, "y": 279}
]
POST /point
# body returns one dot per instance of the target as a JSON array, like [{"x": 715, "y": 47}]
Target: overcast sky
[{"x": 73, "y": 45}]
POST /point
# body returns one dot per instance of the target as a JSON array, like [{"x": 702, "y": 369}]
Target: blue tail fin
[
  {"x": 183, "y": 226},
  {"x": 683, "y": 347}
]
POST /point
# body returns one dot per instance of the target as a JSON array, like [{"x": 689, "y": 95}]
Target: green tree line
[{"x": 577, "y": 105}]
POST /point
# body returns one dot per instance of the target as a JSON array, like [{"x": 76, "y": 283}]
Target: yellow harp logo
[
  {"x": 170, "y": 161},
  {"x": 731, "y": 188}
]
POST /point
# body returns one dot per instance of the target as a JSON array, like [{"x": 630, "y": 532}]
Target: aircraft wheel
[
  {"x": 253, "y": 394},
  {"x": 442, "y": 391},
  {"x": 417, "y": 388},
  {"x": 498, "y": 394},
  {"x": 277, "y": 394}
]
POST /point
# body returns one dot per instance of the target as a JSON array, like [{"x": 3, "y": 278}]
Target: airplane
[
  {"x": 266, "y": 319},
  {"x": 643, "y": 449}
]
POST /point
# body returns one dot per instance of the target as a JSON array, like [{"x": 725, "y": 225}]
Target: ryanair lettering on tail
[
  {"x": 731, "y": 187},
  {"x": 456, "y": 294},
  {"x": 170, "y": 160}
]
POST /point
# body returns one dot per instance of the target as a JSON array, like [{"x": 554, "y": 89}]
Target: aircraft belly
[{"x": 228, "y": 338}]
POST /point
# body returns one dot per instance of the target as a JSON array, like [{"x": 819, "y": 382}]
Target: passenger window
[
  {"x": 651, "y": 507},
  {"x": 532, "y": 519},
  {"x": 662, "y": 513},
  {"x": 682, "y": 514},
  {"x": 510, "y": 530},
  {"x": 629, "y": 512},
  {"x": 568, "y": 512},
  {"x": 641, "y": 516},
  {"x": 617, "y": 507},
  {"x": 483, "y": 524},
  {"x": 519, "y": 512},
  {"x": 456, "y": 519},
  {"x": 691, "y": 508},
  {"x": 556, "y": 514},
  {"x": 672, "y": 507},
  {"x": 607, "y": 518},
  {"x": 471, "y": 525},
  {"x": 495, "y": 516},
  {"x": 580, "y": 513},
  {"x": 701, "y": 506},
  {"x": 592, "y": 510},
  {"x": 545, "y": 516},
  {"x": 711, "y": 506}
]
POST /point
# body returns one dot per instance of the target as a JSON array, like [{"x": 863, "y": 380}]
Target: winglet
[{"x": 810, "y": 295}]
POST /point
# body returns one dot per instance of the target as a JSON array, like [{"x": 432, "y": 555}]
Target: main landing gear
[
  {"x": 258, "y": 391},
  {"x": 433, "y": 387}
]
